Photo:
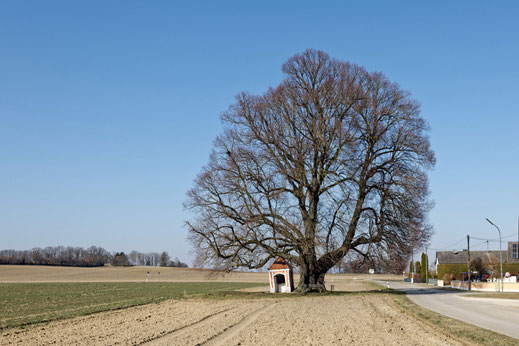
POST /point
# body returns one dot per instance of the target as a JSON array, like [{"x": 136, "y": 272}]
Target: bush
[
  {"x": 447, "y": 278},
  {"x": 457, "y": 269},
  {"x": 454, "y": 269},
  {"x": 423, "y": 269},
  {"x": 120, "y": 259},
  {"x": 512, "y": 268}
]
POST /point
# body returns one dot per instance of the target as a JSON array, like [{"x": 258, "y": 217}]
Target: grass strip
[
  {"x": 23, "y": 304},
  {"x": 495, "y": 295}
]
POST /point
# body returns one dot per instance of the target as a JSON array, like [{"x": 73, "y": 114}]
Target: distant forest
[{"x": 92, "y": 257}]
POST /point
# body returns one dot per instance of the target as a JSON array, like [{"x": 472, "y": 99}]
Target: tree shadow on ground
[
  {"x": 432, "y": 291},
  {"x": 267, "y": 295}
]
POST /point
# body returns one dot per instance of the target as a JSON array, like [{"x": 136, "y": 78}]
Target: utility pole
[
  {"x": 427, "y": 243},
  {"x": 412, "y": 265},
  {"x": 468, "y": 251},
  {"x": 426, "y": 266},
  {"x": 500, "y": 254}
]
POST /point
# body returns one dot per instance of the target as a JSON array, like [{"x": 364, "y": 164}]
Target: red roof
[{"x": 280, "y": 263}]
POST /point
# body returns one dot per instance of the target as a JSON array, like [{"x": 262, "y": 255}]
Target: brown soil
[
  {"x": 20, "y": 273},
  {"x": 365, "y": 319}
]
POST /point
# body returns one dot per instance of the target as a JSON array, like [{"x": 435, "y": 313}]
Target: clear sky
[{"x": 108, "y": 109}]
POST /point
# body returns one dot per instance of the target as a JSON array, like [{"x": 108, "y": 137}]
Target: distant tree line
[
  {"x": 58, "y": 255},
  {"x": 153, "y": 259},
  {"x": 91, "y": 257}
]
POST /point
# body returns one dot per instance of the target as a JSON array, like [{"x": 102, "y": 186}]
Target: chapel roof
[{"x": 279, "y": 263}]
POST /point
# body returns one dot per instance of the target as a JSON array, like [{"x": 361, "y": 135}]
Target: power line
[
  {"x": 448, "y": 247},
  {"x": 485, "y": 240},
  {"x": 479, "y": 244},
  {"x": 495, "y": 239}
]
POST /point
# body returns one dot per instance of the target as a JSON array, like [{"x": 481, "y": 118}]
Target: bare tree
[
  {"x": 332, "y": 160},
  {"x": 491, "y": 263},
  {"x": 133, "y": 257},
  {"x": 477, "y": 265},
  {"x": 58, "y": 255},
  {"x": 155, "y": 259}
]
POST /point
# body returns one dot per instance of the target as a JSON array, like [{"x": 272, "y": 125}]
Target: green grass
[
  {"x": 495, "y": 295},
  {"x": 28, "y": 303}
]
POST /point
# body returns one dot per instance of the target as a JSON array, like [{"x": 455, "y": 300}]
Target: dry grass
[
  {"x": 495, "y": 295},
  {"x": 18, "y": 273}
]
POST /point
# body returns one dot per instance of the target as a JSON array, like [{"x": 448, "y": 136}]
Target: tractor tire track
[
  {"x": 210, "y": 327},
  {"x": 235, "y": 329},
  {"x": 172, "y": 333}
]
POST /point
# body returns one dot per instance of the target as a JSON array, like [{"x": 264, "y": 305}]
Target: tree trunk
[{"x": 311, "y": 278}]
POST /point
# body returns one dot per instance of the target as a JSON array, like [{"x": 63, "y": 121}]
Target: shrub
[
  {"x": 423, "y": 269},
  {"x": 120, "y": 259},
  {"x": 454, "y": 269},
  {"x": 447, "y": 278}
]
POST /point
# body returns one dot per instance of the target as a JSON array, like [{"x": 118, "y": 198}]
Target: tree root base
[{"x": 308, "y": 288}]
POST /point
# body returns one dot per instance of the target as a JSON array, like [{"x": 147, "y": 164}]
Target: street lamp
[{"x": 500, "y": 253}]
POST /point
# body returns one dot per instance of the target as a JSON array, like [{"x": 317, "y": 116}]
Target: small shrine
[{"x": 281, "y": 277}]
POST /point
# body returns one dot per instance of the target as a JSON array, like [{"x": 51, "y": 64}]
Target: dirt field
[
  {"x": 370, "y": 319},
  {"x": 358, "y": 319},
  {"x": 19, "y": 273}
]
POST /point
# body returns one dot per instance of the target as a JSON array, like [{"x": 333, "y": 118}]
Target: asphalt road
[{"x": 500, "y": 315}]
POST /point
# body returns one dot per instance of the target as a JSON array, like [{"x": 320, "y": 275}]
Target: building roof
[
  {"x": 280, "y": 263},
  {"x": 450, "y": 257}
]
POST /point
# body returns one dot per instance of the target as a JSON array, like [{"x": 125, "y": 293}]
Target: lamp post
[{"x": 500, "y": 253}]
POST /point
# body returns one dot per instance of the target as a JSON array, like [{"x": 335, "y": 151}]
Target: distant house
[
  {"x": 511, "y": 255},
  {"x": 513, "y": 252},
  {"x": 462, "y": 257}
]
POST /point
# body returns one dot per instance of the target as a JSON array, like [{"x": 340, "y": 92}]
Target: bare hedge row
[{"x": 79, "y": 257}]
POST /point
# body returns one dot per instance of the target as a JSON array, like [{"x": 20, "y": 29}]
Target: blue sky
[{"x": 108, "y": 110}]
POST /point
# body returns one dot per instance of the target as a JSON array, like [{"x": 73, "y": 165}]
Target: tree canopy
[{"x": 332, "y": 160}]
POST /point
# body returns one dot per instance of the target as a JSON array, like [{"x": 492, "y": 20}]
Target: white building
[{"x": 281, "y": 277}]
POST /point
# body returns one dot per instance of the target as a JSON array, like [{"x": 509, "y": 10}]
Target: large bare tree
[{"x": 332, "y": 160}]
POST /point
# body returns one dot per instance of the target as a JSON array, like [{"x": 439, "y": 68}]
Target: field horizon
[
  {"x": 108, "y": 305},
  {"x": 42, "y": 273}
]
